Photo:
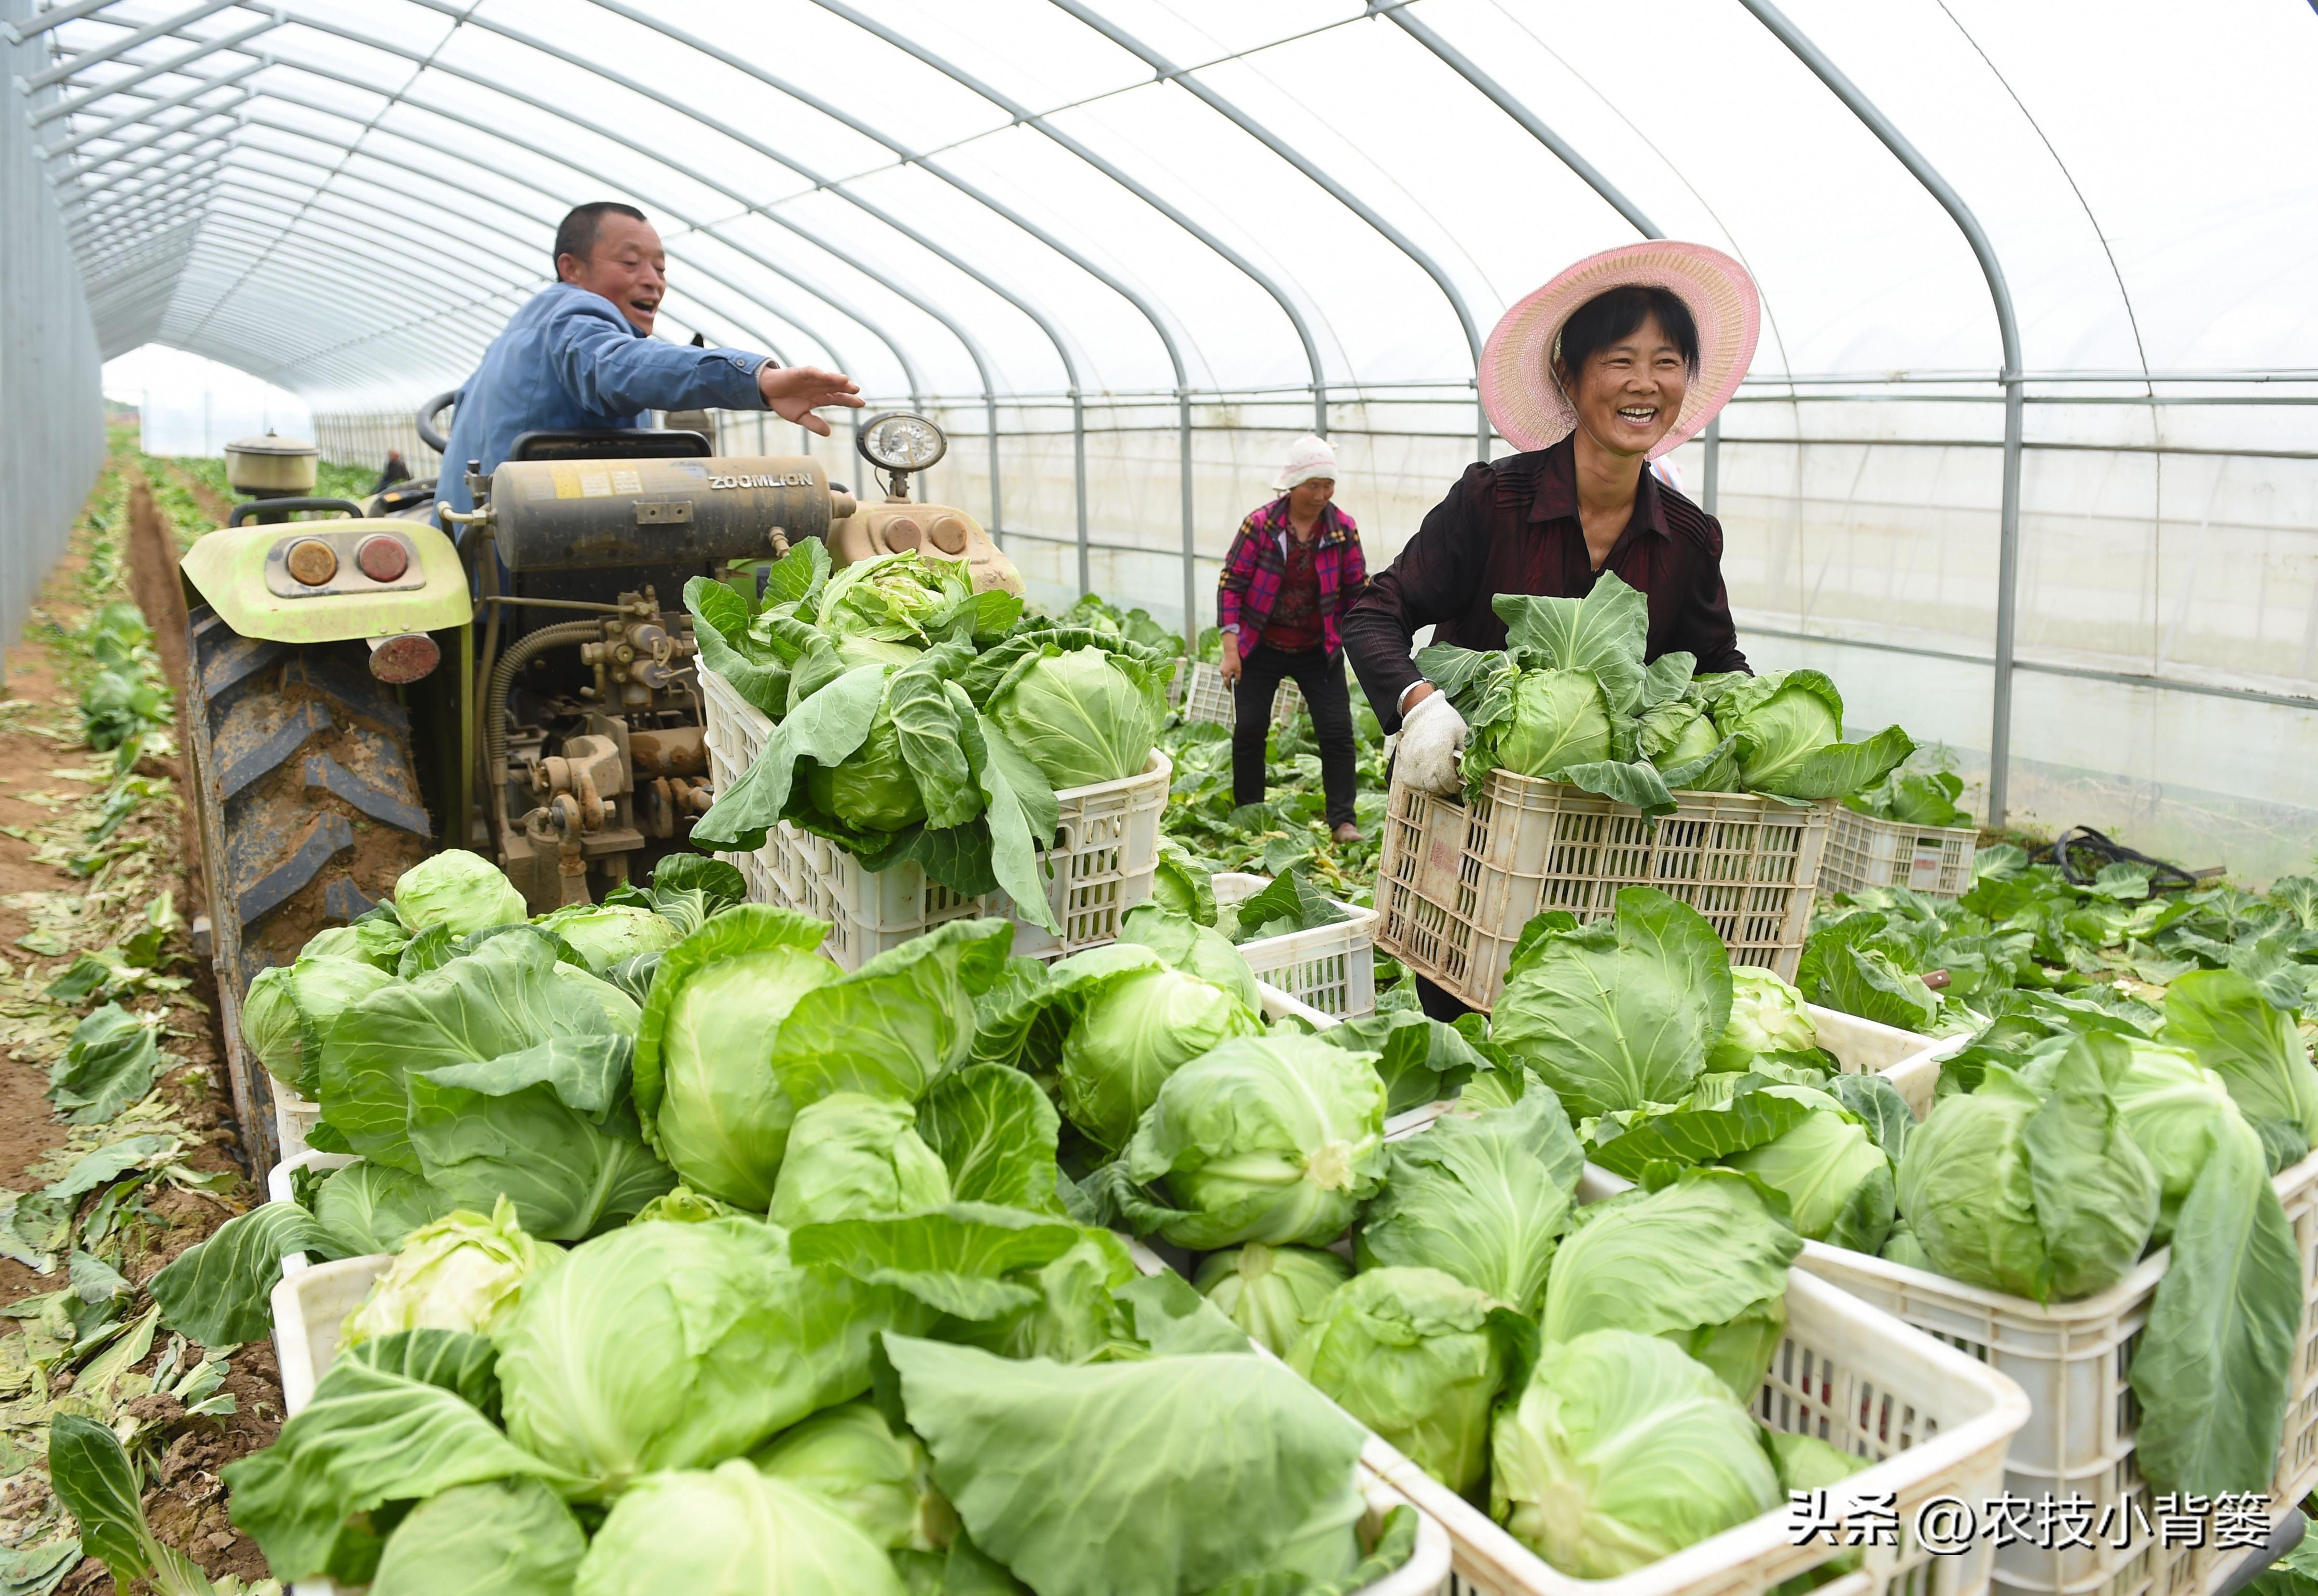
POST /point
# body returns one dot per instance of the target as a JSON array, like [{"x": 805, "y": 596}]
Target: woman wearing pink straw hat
[
  {"x": 1291, "y": 573},
  {"x": 1612, "y": 364}
]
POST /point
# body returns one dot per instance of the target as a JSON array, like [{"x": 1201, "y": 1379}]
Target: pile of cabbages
[
  {"x": 1569, "y": 699},
  {"x": 917, "y": 721},
  {"x": 772, "y": 1284}
]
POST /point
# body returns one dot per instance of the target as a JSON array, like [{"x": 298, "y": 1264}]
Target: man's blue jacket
[{"x": 569, "y": 359}]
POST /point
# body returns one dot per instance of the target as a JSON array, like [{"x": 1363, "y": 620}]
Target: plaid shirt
[{"x": 1258, "y": 561}]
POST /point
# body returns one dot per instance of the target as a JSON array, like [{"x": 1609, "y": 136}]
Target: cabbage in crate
[
  {"x": 750, "y": 987},
  {"x": 1412, "y": 1354},
  {"x": 1108, "y": 1026},
  {"x": 1271, "y": 1293},
  {"x": 458, "y": 1273},
  {"x": 1621, "y": 1451},
  {"x": 1274, "y": 1139}
]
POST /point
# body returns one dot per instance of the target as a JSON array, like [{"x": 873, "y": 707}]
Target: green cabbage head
[
  {"x": 603, "y": 934},
  {"x": 1192, "y": 947},
  {"x": 714, "y": 1108},
  {"x": 2042, "y": 1195},
  {"x": 1559, "y": 718},
  {"x": 1621, "y": 1450},
  {"x": 892, "y": 597},
  {"x": 732, "y": 1532},
  {"x": 1799, "y": 714},
  {"x": 1271, "y": 1292},
  {"x": 663, "y": 1346},
  {"x": 856, "y": 1157},
  {"x": 376, "y": 939},
  {"x": 1082, "y": 716},
  {"x": 1837, "y": 1182},
  {"x": 1138, "y": 1029},
  {"x": 1409, "y": 1353},
  {"x": 876, "y": 1475},
  {"x": 1766, "y": 1015},
  {"x": 2174, "y": 1110},
  {"x": 457, "y": 889},
  {"x": 872, "y": 788},
  {"x": 289, "y": 1009},
  {"x": 1273, "y": 1139},
  {"x": 1702, "y": 1264},
  {"x": 460, "y": 1272}
]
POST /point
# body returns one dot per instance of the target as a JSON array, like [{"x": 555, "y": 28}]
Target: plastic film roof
[{"x": 347, "y": 197}]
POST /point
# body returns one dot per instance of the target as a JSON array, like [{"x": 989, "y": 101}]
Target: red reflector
[
  {"x": 383, "y": 558},
  {"x": 404, "y": 658}
]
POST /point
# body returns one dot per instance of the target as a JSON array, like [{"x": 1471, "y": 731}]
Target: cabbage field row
[{"x": 702, "y": 1245}]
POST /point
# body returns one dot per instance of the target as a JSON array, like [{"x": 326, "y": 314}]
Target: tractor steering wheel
[{"x": 427, "y": 412}]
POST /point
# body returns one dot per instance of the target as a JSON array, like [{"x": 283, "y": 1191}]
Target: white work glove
[{"x": 1432, "y": 736}]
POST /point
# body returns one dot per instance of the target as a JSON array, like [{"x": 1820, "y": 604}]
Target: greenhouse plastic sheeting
[{"x": 1146, "y": 242}]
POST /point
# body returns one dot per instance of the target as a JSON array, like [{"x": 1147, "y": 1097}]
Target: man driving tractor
[{"x": 581, "y": 355}]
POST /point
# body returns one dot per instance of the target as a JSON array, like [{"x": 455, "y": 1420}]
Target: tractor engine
[{"x": 594, "y": 757}]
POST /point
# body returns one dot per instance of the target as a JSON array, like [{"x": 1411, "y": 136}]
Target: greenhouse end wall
[{"x": 51, "y": 399}]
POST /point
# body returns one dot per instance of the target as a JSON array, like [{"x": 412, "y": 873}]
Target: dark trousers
[{"x": 1319, "y": 676}]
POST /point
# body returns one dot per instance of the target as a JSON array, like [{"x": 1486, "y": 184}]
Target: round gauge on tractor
[{"x": 898, "y": 441}]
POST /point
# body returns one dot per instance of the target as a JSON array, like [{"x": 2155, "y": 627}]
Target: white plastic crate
[
  {"x": 1212, "y": 698},
  {"x": 1936, "y": 1422},
  {"x": 1456, "y": 883},
  {"x": 2073, "y": 1358},
  {"x": 295, "y": 1119},
  {"x": 1865, "y": 851},
  {"x": 1099, "y": 868},
  {"x": 311, "y": 1308},
  {"x": 1333, "y": 968}
]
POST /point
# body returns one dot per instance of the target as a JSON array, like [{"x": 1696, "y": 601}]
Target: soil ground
[{"x": 38, "y": 781}]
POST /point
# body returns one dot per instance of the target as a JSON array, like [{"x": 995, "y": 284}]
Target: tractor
[{"x": 366, "y": 688}]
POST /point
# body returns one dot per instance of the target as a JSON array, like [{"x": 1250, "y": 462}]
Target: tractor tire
[{"x": 308, "y": 808}]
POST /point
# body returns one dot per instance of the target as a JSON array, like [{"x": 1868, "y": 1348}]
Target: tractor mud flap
[{"x": 308, "y": 808}]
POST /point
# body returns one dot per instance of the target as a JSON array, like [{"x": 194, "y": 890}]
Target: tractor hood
[{"x": 261, "y": 580}]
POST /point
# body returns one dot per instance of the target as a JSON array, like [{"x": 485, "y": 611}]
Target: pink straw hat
[{"x": 1517, "y": 386}]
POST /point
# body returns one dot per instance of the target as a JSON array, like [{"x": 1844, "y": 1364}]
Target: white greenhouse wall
[{"x": 51, "y": 409}]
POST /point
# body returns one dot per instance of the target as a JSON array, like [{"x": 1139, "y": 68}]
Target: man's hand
[
  {"x": 1230, "y": 667},
  {"x": 1432, "y": 736},
  {"x": 794, "y": 392}
]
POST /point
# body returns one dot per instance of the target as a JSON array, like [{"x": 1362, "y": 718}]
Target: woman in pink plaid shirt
[{"x": 1293, "y": 570}]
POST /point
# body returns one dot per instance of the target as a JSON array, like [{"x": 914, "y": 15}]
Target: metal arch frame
[
  {"x": 957, "y": 330},
  {"x": 908, "y": 368},
  {"x": 1224, "y": 106},
  {"x": 248, "y": 322},
  {"x": 1531, "y": 122},
  {"x": 239, "y": 232},
  {"x": 112, "y": 48},
  {"x": 175, "y": 65},
  {"x": 911, "y": 375},
  {"x": 498, "y": 203},
  {"x": 80, "y": 171},
  {"x": 1038, "y": 318},
  {"x": 517, "y": 276},
  {"x": 1023, "y": 115},
  {"x": 1149, "y": 312},
  {"x": 1054, "y": 334},
  {"x": 186, "y": 95},
  {"x": 2007, "y": 557}
]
